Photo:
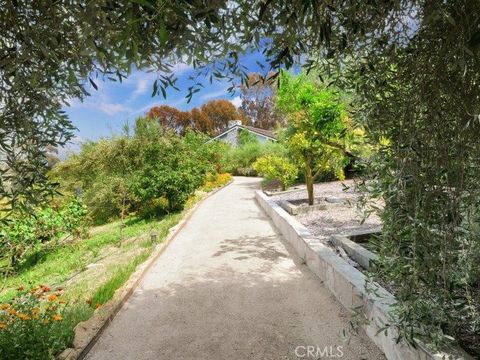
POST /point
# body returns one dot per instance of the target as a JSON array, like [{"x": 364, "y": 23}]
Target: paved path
[{"x": 229, "y": 287}]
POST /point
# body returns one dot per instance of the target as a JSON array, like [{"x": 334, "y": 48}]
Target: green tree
[{"x": 316, "y": 130}]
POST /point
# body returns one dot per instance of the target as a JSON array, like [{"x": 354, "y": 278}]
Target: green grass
[
  {"x": 56, "y": 266},
  {"x": 106, "y": 291}
]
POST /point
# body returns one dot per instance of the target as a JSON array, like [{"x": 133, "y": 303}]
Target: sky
[{"x": 107, "y": 109}]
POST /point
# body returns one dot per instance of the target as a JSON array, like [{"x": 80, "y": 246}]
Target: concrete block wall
[{"x": 348, "y": 286}]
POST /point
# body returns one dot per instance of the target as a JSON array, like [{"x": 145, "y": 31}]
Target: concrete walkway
[{"x": 229, "y": 287}]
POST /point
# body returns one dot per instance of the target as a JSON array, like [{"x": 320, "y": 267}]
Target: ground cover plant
[
  {"x": 45, "y": 315},
  {"x": 36, "y": 324}
]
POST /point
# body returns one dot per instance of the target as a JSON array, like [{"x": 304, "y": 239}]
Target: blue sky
[{"x": 114, "y": 103}]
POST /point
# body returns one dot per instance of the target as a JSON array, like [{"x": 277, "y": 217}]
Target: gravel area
[
  {"x": 338, "y": 218},
  {"x": 340, "y": 189}
]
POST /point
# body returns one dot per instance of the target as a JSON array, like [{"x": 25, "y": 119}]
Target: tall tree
[
  {"x": 201, "y": 121},
  {"x": 258, "y": 101},
  {"x": 220, "y": 113},
  {"x": 171, "y": 118}
]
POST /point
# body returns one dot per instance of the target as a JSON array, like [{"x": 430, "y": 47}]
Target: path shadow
[
  {"x": 262, "y": 247},
  {"x": 226, "y": 314}
]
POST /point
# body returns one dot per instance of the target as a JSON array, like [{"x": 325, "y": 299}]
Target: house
[{"x": 235, "y": 127}]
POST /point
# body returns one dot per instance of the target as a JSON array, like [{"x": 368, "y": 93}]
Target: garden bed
[
  {"x": 333, "y": 225},
  {"x": 356, "y": 246},
  {"x": 335, "y": 212}
]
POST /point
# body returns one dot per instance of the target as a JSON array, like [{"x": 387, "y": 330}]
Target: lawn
[{"x": 82, "y": 266}]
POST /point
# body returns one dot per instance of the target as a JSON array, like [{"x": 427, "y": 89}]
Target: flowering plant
[{"x": 31, "y": 325}]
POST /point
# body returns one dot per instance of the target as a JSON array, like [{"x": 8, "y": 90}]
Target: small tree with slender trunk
[{"x": 317, "y": 128}]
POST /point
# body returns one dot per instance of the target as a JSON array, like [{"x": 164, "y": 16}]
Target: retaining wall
[{"x": 348, "y": 286}]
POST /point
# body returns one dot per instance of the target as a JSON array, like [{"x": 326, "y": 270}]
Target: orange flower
[
  {"x": 97, "y": 305},
  {"x": 52, "y": 297},
  {"x": 57, "y": 317},
  {"x": 23, "y": 316},
  {"x": 2, "y": 325},
  {"x": 35, "y": 311},
  {"x": 5, "y": 306},
  {"x": 21, "y": 288},
  {"x": 12, "y": 311},
  {"x": 61, "y": 301}
]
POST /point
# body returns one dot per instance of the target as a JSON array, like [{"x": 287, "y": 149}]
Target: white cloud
[
  {"x": 100, "y": 103},
  {"x": 236, "y": 101},
  {"x": 112, "y": 108},
  {"x": 141, "y": 87}
]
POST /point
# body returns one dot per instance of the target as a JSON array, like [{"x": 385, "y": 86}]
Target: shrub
[
  {"x": 153, "y": 208},
  {"x": 103, "y": 172},
  {"x": 239, "y": 160},
  {"x": 36, "y": 325},
  {"x": 127, "y": 174},
  {"x": 275, "y": 167},
  {"x": 27, "y": 232},
  {"x": 173, "y": 168}
]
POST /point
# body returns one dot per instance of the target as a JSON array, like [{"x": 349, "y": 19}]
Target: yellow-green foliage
[
  {"x": 275, "y": 167},
  {"x": 317, "y": 125},
  {"x": 216, "y": 180},
  {"x": 317, "y": 128}
]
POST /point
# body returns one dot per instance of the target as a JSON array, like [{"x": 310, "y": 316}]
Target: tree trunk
[{"x": 309, "y": 181}]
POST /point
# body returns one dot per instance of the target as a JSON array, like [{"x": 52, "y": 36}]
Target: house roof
[
  {"x": 262, "y": 132},
  {"x": 267, "y": 133}
]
